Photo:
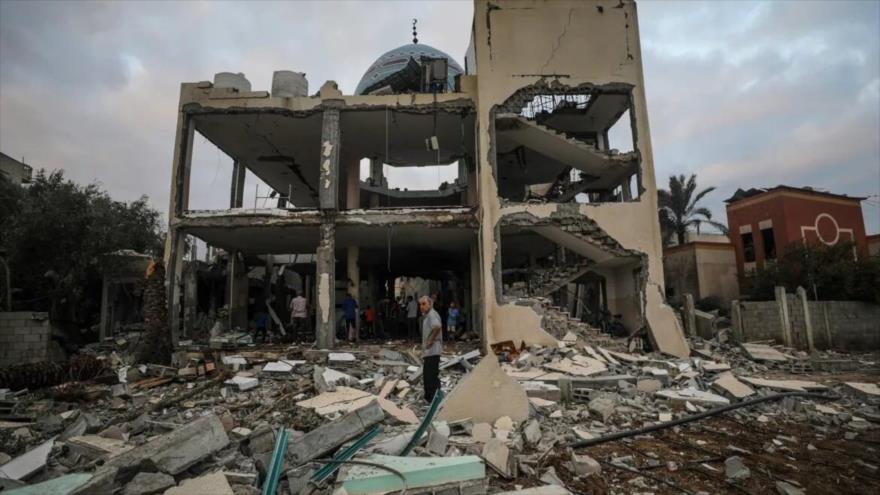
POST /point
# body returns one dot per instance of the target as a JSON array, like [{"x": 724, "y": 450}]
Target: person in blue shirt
[
  {"x": 349, "y": 308},
  {"x": 452, "y": 317}
]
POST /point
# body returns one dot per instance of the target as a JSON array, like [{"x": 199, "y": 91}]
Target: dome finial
[{"x": 415, "y": 34}]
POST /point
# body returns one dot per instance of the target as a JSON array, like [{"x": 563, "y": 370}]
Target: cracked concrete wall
[{"x": 570, "y": 43}]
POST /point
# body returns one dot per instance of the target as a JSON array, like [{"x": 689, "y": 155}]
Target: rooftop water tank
[
  {"x": 289, "y": 84},
  {"x": 232, "y": 80}
]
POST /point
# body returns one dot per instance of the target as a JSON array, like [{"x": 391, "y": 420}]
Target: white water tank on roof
[
  {"x": 289, "y": 84},
  {"x": 232, "y": 80}
]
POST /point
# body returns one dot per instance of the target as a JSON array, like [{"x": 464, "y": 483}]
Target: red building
[{"x": 763, "y": 222}]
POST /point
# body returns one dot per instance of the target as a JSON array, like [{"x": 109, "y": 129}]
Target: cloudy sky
[{"x": 744, "y": 94}]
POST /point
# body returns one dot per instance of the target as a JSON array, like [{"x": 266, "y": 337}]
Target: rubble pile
[{"x": 233, "y": 418}]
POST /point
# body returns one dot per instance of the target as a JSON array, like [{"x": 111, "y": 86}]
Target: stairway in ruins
[{"x": 559, "y": 322}]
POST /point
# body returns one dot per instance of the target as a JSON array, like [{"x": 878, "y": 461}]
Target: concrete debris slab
[
  {"x": 649, "y": 385},
  {"x": 341, "y": 357},
  {"x": 712, "y": 366},
  {"x": 761, "y": 352},
  {"x": 487, "y": 379},
  {"x": 333, "y": 377},
  {"x": 343, "y": 399},
  {"x": 28, "y": 463},
  {"x": 497, "y": 455},
  {"x": 866, "y": 388},
  {"x": 788, "y": 385},
  {"x": 532, "y": 432},
  {"x": 458, "y": 359},
  {"x": 402, "y": 414},
  {"x": 418, "y": 472},
  {"x": 628, "y": 358},
  {"x": 210, "y": 484},
  {"x": 97, "y": 447},
  {"x": 541, "y": 390},
  {"x": 570, "y": 338},
  {"x": 243, "y": 382},
  {"x": 438, "y": 438},
  {"x": 584, "y": 368},
  {"x": 329, "y": 436},
  {"x": 148, "y": 484},
  {"x": 541, "y": 403},
  {"x": 727, "y": 382},
  {"x": 277, "y": 367},
  {"x": 482, "y": 432},
  {"x": 693, "y": 395}
]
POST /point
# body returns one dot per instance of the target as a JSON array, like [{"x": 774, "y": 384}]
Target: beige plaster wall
[{"x": 518, "y": 43}]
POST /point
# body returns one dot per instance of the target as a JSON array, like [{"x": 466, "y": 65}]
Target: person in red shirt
[{"x": 369, "y": 319}]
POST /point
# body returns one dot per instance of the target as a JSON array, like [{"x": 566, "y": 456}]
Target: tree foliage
[
  {"x": 53, "y": 233},
  {"x": 826, "y": 272},
  {"x": 678, "y": 210}
]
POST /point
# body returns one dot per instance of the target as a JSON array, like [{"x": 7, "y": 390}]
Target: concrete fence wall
[
  {"x": 25, "y": 337},
  {"x": 794, "y": 320}
]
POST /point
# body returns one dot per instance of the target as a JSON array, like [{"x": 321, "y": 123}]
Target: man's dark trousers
[{"x": 431, "y": 376}]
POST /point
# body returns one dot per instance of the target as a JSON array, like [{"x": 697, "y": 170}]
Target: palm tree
[{"x": 678, "y": 209}]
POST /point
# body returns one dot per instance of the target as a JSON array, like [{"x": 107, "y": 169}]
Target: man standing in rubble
[
  {"x": 299, "y": 315},
  {"x": 432, "y": 347}
]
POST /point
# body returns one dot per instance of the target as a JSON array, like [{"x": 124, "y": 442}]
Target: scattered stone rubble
[{"x": 210, "y": 423}]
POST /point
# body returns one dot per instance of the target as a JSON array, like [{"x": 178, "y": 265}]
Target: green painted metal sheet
[{"x": 418, "y": 471}]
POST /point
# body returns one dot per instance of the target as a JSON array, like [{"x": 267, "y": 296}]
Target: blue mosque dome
[{"x": 397, "y": 59}]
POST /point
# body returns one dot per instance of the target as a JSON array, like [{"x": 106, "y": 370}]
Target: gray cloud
[{"x": 743, "y": 94}]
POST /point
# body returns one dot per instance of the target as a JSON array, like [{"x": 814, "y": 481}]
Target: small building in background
[
  {"x": 873, "y": 245},
  {"x": 764, "y": 222},
  {"x": 14, "y": 171},
  {"x": 704, "y": 266}
]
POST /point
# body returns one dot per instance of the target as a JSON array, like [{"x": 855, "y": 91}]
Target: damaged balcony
[{"x": 557, "y": 147}]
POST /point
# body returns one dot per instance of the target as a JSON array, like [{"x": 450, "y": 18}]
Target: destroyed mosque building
[{"x": 546, "y": 122}]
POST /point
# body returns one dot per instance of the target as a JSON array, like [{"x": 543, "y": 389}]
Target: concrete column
[
  {"x": 784, "y": 320},
  {"x": 690, "y": 317},
  {"x": 331, "y": 142},
  {"x": 325, "y": 300},
  {"x": 190, "y": 297},
  {"x": 475, "y": 322},
  {"x": 236, "y": 188},
  {"x": 736, "y": 321},
  {"x": 352, "y": 184},
  {"x": 808, "y": 322},
  {"x": 173, "y": 277},
  {"x": 237, "y": 291},
  {"x": 105, "y": 308},
  {"x": 377, "y": 177},
  {"x": 626, "y": 193}
]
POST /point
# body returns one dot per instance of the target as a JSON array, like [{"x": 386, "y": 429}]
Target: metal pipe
[{"x": 687, "y": 419}]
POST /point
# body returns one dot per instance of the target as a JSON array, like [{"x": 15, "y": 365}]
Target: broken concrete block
[
  {"x": 603, "y": 405},
  {"x": 760, "y": 352},
  {"x": 243, "y": 382},
  {"x": 329, "y": 436},
  {"x": 97, "y": 447},
  {"x": 148, "y": 484},
  {"x": 171, "y": 453},
  {"x": 418, "y": 472},
  {"x": 482, "y": 432},
  {"x": 343, "y": 399},
  {"x": 28, "y": 463},
  {"x": 727, "y": 382},
  {"x": 584, "y": 465},
  {"x": 649, "y": 385},
  {"x": 541, "y": 390},
  {"x": 210, "y": 484},
  {"x": 787, "y": 385},
  {"x": 61, "y": 485},
  {"x": 487, "y": 379},
  {"x": 497, "y": 455},
  {"x": 438, "y": 439},
  {"x": 532, "y": 432},
  {"x": 869, "y": 389},
  {"x": 693, "y": 395},
  {"x": 504, "y": 423},
  {"x": 735, "y": 470}
]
